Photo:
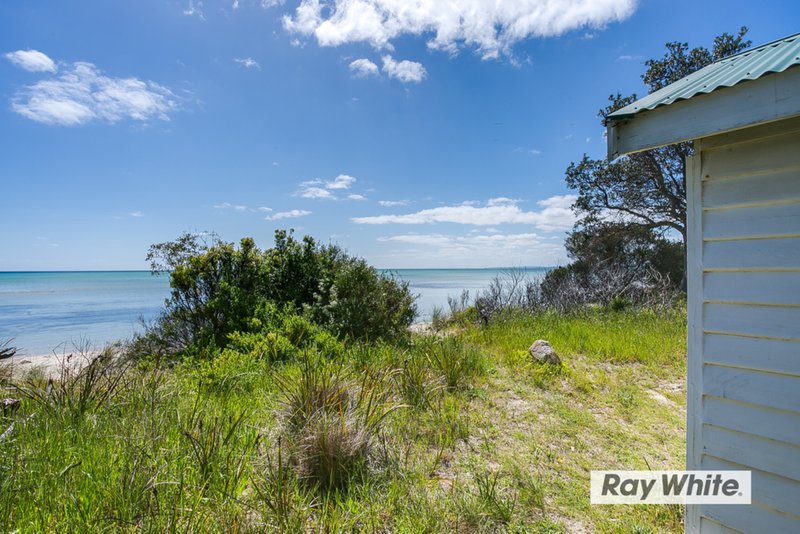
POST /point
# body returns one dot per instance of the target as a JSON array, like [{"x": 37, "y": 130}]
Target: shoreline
[{"x": 49, "y": 365}]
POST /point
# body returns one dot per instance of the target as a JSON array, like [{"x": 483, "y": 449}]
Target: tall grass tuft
[
  {"x": 287, "y": 505},
  {"x": 84, "y": 382},
  {"x": 333, "y": 418},
  {"x": 456, "y": 361},
  {"x": 221, "y": 448},
  {"x": 416, "y": 383}
]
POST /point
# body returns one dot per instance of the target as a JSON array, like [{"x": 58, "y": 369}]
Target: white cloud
[
  {"x": 627, "y": 57},
  {"x": 356, "y": 197},
  {"x": 343, "y": 181},
  {"x": 248, "y": 63},
  {"x": 195, "y": 9},
  {"x": 392, "y": 203},
  {"x": 405, "y": 71},
  {"x": 322, "y": 190},
  {"x": 229, "y": 206},
  {"x": 502, "y": 201},
  {"x": 241, "y": 207},
  {"x": 556, "y": 214},
  {"x": 136, "y": 214},
  {"x": 479, "y": 240},
  {"x": 83, "y": 94},
  {"x": 364, "y": 68},
  {"x": 473, "y": 249},
  {"x": 291, "y": 214},
  {"x": 492, "y": 28},
  {"x": 31, "y": 60},
  {"x": 309, "y": 191}
]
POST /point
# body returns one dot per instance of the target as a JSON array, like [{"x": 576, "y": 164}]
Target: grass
[{"x": 463, "y": 433}]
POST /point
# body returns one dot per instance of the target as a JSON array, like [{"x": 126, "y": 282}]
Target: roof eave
[{"x": 746, "y": 104}]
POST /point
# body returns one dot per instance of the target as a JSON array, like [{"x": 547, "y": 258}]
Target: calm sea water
[{"x": 54, "y": 311}]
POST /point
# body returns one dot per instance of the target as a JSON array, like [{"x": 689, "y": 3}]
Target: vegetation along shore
[{"x": 282, "y": 390}]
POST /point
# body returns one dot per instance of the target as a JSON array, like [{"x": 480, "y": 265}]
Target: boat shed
[{"x": 743, "y": 221}]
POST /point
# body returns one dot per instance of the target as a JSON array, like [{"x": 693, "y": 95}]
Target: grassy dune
[{"x": 460, "y": 433}]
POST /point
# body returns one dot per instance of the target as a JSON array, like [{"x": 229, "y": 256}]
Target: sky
[{"x": 414, "y": 133}]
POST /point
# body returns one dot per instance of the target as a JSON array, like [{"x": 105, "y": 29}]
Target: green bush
[
  {"x": 364, "y": 304},
  {"x": 221, "y": 291},
  {"x": 270, "y": 346}
]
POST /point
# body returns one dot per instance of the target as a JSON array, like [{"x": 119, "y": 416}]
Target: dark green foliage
[
  {"x": 629, "y": 248},
  {"x": 648, "y": 188},
  {"x": 221, "y": 292},
  {"x": 364, "y": 304}
]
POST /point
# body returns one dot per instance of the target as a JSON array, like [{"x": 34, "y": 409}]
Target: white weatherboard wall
[{"x": 744, "y": 322}]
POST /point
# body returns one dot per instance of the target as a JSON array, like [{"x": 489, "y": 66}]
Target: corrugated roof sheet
[{"x": 752, "y": 64}]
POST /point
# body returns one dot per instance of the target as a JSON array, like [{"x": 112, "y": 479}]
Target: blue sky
[{"x": 415, "y": 134}]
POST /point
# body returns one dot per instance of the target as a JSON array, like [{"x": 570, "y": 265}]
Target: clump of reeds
[{"x": 332, "y": 417}]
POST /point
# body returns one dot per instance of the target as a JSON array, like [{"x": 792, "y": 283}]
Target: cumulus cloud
[
  {"x": 556, "y": 214},
  {"x": 491, "y": 28},
  {"x": 343, "y": 181},
  {"x": 82, "y": 93},
  {"x": 309, "y": 191},
  {"x": 136, "y": 214},
  {"x": 291, "y": 214},
  {"x": 31, "y": 60},
  {"x": 322, "y": 190},
  {"x": 363, "y": 68},
  {"x": 405, "y": 71},
  {"x": 248, "y": 63}
]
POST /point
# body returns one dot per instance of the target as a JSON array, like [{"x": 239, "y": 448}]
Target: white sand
[{"x": 48, "y": 364}]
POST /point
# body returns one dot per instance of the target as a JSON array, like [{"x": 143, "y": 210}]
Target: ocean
[{"x": 53, "y": 312}]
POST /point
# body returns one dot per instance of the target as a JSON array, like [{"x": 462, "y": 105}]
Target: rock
[{"x": 542, "y": 352}]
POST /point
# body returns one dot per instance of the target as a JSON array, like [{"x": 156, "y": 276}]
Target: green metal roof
[{"x": 751, "y": 64}]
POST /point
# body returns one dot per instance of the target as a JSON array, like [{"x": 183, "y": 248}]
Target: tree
[{"x": 646, "y": 189}]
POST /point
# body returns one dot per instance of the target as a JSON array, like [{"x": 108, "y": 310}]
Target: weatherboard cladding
[
  {"x": 745, "y": 316},
  {"x": 748, "y": 65}
]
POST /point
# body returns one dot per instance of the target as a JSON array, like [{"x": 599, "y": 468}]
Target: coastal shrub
[
  {"x": 231, "y": 370},
  {"x": 269, "y": 346},
  {"x": 218, "y": 289},
  {"x": 364, "y": 304},
  {"x": 299, "y": 330}
]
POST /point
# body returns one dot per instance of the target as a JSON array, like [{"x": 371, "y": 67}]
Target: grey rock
[{"x": 542, "y": 352}]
